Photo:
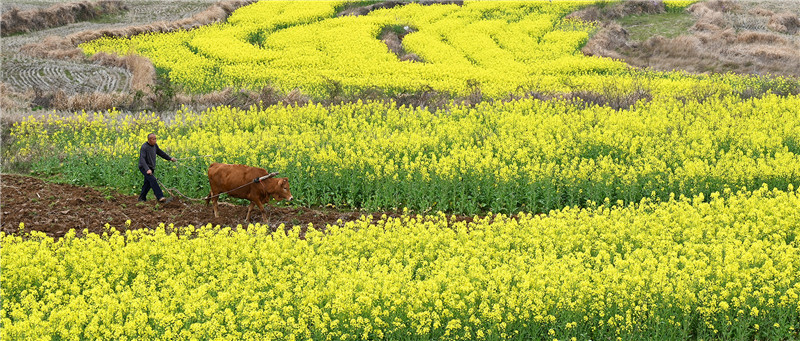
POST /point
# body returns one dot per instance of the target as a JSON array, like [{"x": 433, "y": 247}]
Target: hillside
[
  {"x": 456, "y": 170},
  {"x": 42, "y": 70}
]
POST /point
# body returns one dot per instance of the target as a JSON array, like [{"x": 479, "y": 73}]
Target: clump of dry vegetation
[
  {"x": 727, "y": 36},
  {"x": 13, "y": 100},
  {"x": 143, "y": 71},
  {"x": 15, "y": 21}
]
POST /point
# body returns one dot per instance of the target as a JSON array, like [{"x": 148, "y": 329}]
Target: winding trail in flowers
[{"x": 56, "y": 208}]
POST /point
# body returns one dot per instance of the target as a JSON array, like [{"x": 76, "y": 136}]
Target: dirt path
[{"x": 56, "y": 208}]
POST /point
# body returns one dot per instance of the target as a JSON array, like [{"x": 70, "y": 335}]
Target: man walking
[{"x": 147, "y": 165}]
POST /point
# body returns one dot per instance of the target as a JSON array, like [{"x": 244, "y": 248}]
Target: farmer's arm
[
  {"x": 164, "y": 155},
  {"x": 142, "y": 157}
]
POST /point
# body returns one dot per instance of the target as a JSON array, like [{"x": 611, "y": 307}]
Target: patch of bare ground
[
  {"x": 745, "y": 37},
  {"x": 56, "y": 208},
  {"x": 393, "y": 36},
  {"x": 21, "y": 21}
]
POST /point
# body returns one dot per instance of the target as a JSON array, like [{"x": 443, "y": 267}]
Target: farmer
[{"x": 147, "y": 165}]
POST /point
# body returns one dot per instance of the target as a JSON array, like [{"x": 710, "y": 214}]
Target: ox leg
[
  {"x": 250, "y": 207},
  {"x": 214, "y": 199},
  {"x": 260, "y": 206}
]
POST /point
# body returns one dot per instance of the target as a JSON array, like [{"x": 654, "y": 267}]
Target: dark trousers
[{"x": 150, "y": 182}]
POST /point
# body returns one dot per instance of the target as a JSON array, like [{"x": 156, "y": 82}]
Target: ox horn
[{"x": 265, "y": 177}]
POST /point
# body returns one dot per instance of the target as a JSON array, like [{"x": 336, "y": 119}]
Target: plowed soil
[{"x": 56, "y": 208}]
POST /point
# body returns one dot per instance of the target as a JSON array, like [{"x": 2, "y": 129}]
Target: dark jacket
[{"x": 147, "y": 157}]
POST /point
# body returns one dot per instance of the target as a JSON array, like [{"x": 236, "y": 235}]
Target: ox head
[{"x": 282, "y": 191}]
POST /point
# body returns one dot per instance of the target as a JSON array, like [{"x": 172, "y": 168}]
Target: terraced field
[
  {"x": 476, "y": 170},
  {"x": 23, "y": 72},
  {"x": 58, "y": 75}
]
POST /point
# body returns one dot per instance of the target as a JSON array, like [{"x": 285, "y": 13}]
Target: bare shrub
[
  {"x": 16, "y": 21},
  {"x": 475, "y": 95},
  {"x": 269, "y": 96},
  {"x": 610, "y": 97},
  {"x": 296, "y": 98},
  {"x": 213, "y": 98},
  {"x": 784, "y": 23},
  {"x": 425, "y": 97},
  {"x": 42, "y": 99}
]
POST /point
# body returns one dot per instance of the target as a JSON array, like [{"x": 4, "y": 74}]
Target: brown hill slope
[{"x": 744, "y": 37}]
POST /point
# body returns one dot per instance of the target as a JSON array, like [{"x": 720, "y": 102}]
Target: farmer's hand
[
  {"x": 173, "y": 159},
  {"x": 149, "y": 172}
]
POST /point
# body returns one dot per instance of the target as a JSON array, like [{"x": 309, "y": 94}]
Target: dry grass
[
  {"x": 11, "y": 100},
  {"x": 607, "y": 41},
  {"x": 728, "y": 36},
  {"x": 54, "y": 48},
  {"x": 787, "y": 23},
  {"x": 143, "y": 71},
  {"x": 15, "y": 21}
]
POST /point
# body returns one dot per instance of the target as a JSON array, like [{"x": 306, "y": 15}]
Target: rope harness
[{"x": 208, "y": 197}]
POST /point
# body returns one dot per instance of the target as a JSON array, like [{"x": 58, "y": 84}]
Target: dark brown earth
[{"x": 56, "y": 208}]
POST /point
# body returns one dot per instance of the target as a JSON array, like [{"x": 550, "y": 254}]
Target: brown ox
[{"x": 245, "y": 182}]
